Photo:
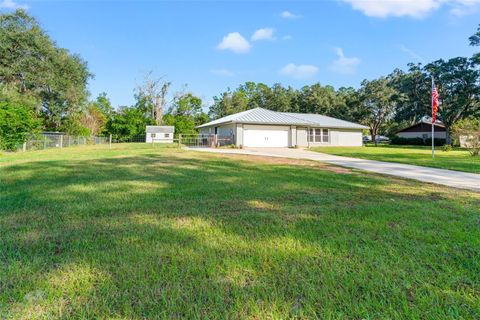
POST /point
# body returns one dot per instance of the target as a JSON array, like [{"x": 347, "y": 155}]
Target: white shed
[{"x": 159, "y": 134}]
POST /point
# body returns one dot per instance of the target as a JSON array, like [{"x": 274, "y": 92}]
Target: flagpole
[{"x": 433, "y": 125}]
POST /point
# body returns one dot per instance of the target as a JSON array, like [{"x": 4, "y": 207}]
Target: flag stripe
[{"x": 434, "y": 104}]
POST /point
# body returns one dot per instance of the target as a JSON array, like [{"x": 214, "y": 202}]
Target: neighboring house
[
  {"x": 265, "y": 128},
  {"x": 423, "y": 130},
  {"x": 160, "y": 134}
]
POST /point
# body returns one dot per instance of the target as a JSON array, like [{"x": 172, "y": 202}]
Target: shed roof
[
  {"x": 264, "y": 116},
  {"x": 424, "y": 120},
  {"x": 160, "y": 129}
]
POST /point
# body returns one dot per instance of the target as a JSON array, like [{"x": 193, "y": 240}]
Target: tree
[
  {"x": 73, "y": 125},
  {"x": 128, "y": 122},
  {"x": 93, "y": 119},
  {"x": 104, "y": 105},
  {"x": 318, "y": 99},
  {"x": 378, "y": 103},
  {"x": 475, "y": 41},
  {"x": 17, "y": 122},
  {"x": 457, "y": 81},
  {"x": 350, "y": 109},
  {"x": 468, "y": 132},
  {"x": 228, "y": 103},
  {"x": 153, "y": 94},
  {"x": 32, "y": 64},
  {"x": 415, "y": 98},
  {"x": 185, "y": 114},
  {"x": 97, "y": 114}
]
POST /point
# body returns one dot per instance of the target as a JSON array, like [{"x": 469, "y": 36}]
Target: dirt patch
[{"x": 297, "y": 162}]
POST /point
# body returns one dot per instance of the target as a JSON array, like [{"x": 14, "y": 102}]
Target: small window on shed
[
  {"x": 152, "y": 135},
  {"x": 167, "y": 135}
]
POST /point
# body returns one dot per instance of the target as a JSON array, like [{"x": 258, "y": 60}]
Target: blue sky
[{"x": 213, "y": 45}]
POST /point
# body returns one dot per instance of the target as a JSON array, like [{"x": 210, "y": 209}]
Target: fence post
[
  {"x": 179, "y": 139},
  {"x": 61, "y": 141},
  {"x": 24, "y": 148},
  {"x": 44, "y": 142},
  {"x": 110, "y": 142}
]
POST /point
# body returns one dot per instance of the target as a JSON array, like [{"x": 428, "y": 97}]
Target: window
[
  {"x": 152, "y": 135},
  {"x": 310, "y": 135},
  {"x": 318, "y": 135},
  {"x": 167, "y": 135},
  {"x": 325, "y": 135}
]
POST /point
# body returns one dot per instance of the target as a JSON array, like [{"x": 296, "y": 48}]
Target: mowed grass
[
  {"x": 458, "y": 159},
  {"x": 140, "y": 232}
]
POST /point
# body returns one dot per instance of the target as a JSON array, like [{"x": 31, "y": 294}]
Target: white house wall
[
  {"x": 226, "y": 130},
  {"x": 337, "y": 138},
  {"x": 239, "y": 135},
  {"x": 301, "y": 137},
  {"x": 347, "y": 138}
]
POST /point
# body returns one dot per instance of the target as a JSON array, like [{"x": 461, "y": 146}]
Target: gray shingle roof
[
  {"x": 264, "y": 116},
  {"x": 160, "y": 129}
]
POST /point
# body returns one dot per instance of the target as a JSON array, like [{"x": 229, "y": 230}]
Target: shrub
[
  {"x": 17, "y": 122},
  {"x": 416, "y": 141},
  {"x": 447, "y": 147}
]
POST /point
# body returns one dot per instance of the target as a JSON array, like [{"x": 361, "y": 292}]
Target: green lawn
[
  {"x": 140, "y": 232},
  {"x": 457, "y": 159}
]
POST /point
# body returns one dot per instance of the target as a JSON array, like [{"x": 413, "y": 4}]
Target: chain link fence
[{"x": 49, "y": 140}]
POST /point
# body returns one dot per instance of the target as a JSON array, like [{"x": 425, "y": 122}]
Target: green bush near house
[{"x": 395, "y": 140}]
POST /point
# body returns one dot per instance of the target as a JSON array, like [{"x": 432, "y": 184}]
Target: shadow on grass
[{"x": 179, "y": 236}]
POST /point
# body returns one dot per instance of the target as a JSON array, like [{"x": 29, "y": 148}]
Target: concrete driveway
[{"x": 449, "y": 178}]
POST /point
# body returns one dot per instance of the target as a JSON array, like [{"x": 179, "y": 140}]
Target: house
[
  {"x": 160, "y": 134},
  {"x": 423, "y": 130},
  {"x": 265, "y": 128}
]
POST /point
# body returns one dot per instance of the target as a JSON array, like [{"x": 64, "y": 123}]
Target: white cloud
[
  {"x": 343, "y": 64},
  {"x": 299, "y": 71},
  {"x": 411, "y": 53},
  {"x": 461, "y": 8},
  {"x": 411, "y": 8},
  {"x": 10, "y": 4},
  {"x": 287, "y": 37},
  {"x": 395, "y": 8},
  {"x": 235, "y": 42},
  {"x": 222, "y": 72},
  {"x": 288, "y": 15},
  {"x": 263, "y": 34}
]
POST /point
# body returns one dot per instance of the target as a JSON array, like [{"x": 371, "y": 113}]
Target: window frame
[{"x": 317, "y": 135}]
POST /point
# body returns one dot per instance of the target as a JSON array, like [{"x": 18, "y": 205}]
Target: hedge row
[{"x": 416, "y": 141}]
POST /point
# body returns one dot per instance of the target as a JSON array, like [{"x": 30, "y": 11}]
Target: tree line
[{"x": 43, "y": 87}]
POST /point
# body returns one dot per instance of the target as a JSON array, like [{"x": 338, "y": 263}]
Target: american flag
[{"x": 434, "y": 103}]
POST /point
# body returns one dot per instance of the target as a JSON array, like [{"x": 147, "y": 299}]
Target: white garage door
[{"x": 263, "y": 136}]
